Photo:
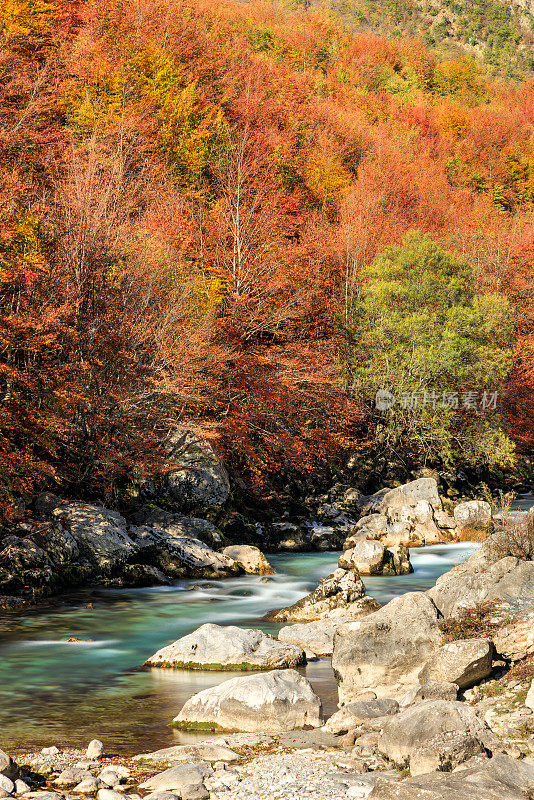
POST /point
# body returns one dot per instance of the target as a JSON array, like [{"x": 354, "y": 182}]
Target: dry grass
[{"x": 516, "y": 537}]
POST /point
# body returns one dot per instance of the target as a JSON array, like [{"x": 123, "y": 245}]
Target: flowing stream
[{"x": 66, "y": 693}]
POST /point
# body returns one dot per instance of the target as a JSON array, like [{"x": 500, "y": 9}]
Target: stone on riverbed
[
  {"x": 384, "y": 651},
  {"x": 101, "y": 534},
  {"x": 416, "y": 726},
  {"x": 95, "y": 749},
  {"x": 250, "y": 558},
  {"x": 463, "y": 662},
  {"x": 280, "y": 700},
  {"x": 8, "y": 767},
  {"x": 340, "y": 594},
  {"x": 373, "y": 558},
  {"x": 217, "y": 647},
  {"x": 354, "y": 714},
  {"x": 316, "y": 638},
  {"x": 184, "y": 778},
  {"x": 497, "y": 778},
  {"x": 205, "y": 751}
]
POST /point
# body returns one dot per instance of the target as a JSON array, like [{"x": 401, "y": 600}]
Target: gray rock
[
  {"x": 204, "y": 751},
  {"x": 384, "y": 651},
  {"x": 431, "y": 690},
  {"x": 227, "y": 647},
  {"x": 365, "y": 557},
  {"x": 498, "y": 778},
  {"x": 473, "y": 516},
  {"x": 181, "y": 556},
  {"x": 200, "y": 479},
  {"x": 8, "y": 767},
  {"x": 87, "y": 786},
  {"x": 109, "y": 794},
  {"x": 316, "y": 638},
  {"x": 464, "y": 662},
  {"x": 250, "y": 558},
  {"x": 358, "y": 713},
  {"x": 444, "y": 752},
  {"x": 179, "y": 778},
  {"x": 483, "y": 577},
  {"x": 270, "y": 702},
  {"x": 341, "y": 594},
  {"x": 21, "y": 787},
  {"x": 95, "y": 749},
  {"x": 101, "y": 534},
  {"x": 6, "y": 784},
  {"x": 415, "y": 726},
  {"x": 109, "y": 777},
  {"x": 71, "y": 776},
  {"x": 515, "y": 641}
]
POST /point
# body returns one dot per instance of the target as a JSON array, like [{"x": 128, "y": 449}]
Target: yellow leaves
[
  {"x": 458, "y": 76},
  {"x": 24, "y": 17},
  {"x": 185, "y": 131},
  {"x": 92, "y": 106},
  {"x": 326, "y": 178},
  {"x": 21, "y": 248},
  {"x": 454, "y": 120}
]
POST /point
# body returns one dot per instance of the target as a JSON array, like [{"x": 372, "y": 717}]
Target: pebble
[
  {"x": 50, "y": 751},
  {"x": 95, "y": 749},
  {"x": 6, "y": 784},
  {"x": 301, "y": 775},
  {"x": 21, "y": 787}
]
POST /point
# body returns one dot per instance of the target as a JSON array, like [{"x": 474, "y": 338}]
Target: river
[{"x": 56, "y": 692}]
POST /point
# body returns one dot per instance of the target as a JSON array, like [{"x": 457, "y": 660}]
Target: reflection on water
[{"x": 66, "y": 693}]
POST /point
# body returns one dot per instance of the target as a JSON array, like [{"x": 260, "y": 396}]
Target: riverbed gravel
[{"x": 297, "y": 775}]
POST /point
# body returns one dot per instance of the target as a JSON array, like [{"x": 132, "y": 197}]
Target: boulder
[
  {"x": 25, "y": 568},
  {"x": 464, "y": 662},
  {"x": 181, "y": 556},
  {"x": 373, "y": 558},
  {"x": 316, "y": 638},
  {"x": 421, "y": 490},
  {"x": 271, "y": 702},
  {"x": 431, "y": 690},
  {"x": 444, "y": 752},
  {"x": 180, "y": 778},
  {"x": 58, "y": 542},
  {"x": 473, "y": 517},
  {"x": 100, "y": 534},
  {"x": 497, "y": 778},
  {"x": 372, "y": 526},
  {"x": 529, "y": 700},
  {"x": 179, "y": 525},
  {"x": 516, "y": 640},
  {"x": 358, "y": 713},
  {"x": 199, "y": 478},
  {"x": 250, "y": 558},
  {"x": 416, "y": 726},
  {"x": 218, "y": 647},
  {"x": 483, "y": 577},
  {"x": 385, "y": 650},
  {"x": 340, "y": 594},
  {"x": 366, "y": 557}
]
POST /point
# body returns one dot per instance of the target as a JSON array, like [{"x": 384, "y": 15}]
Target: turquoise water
[{"x": 54, "y": 692}]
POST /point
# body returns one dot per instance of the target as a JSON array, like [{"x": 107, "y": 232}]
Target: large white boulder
[
  {"x": 218, "y": 647},
  {"x": 473, "y": 516},
  {"x": 271, "y": 702},
  {"x": 384, "y": 651}
]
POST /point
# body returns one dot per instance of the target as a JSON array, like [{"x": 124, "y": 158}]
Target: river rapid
[{"x": 66, "y": 693}]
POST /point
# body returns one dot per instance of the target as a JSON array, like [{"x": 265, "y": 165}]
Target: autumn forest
[{"x": 248, "y": 218}]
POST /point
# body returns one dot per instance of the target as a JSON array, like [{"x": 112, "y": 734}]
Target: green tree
[{"x": 419, "y": 331}]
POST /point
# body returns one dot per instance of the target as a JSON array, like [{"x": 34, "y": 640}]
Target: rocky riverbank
[{"x": 181, "y": 526}]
